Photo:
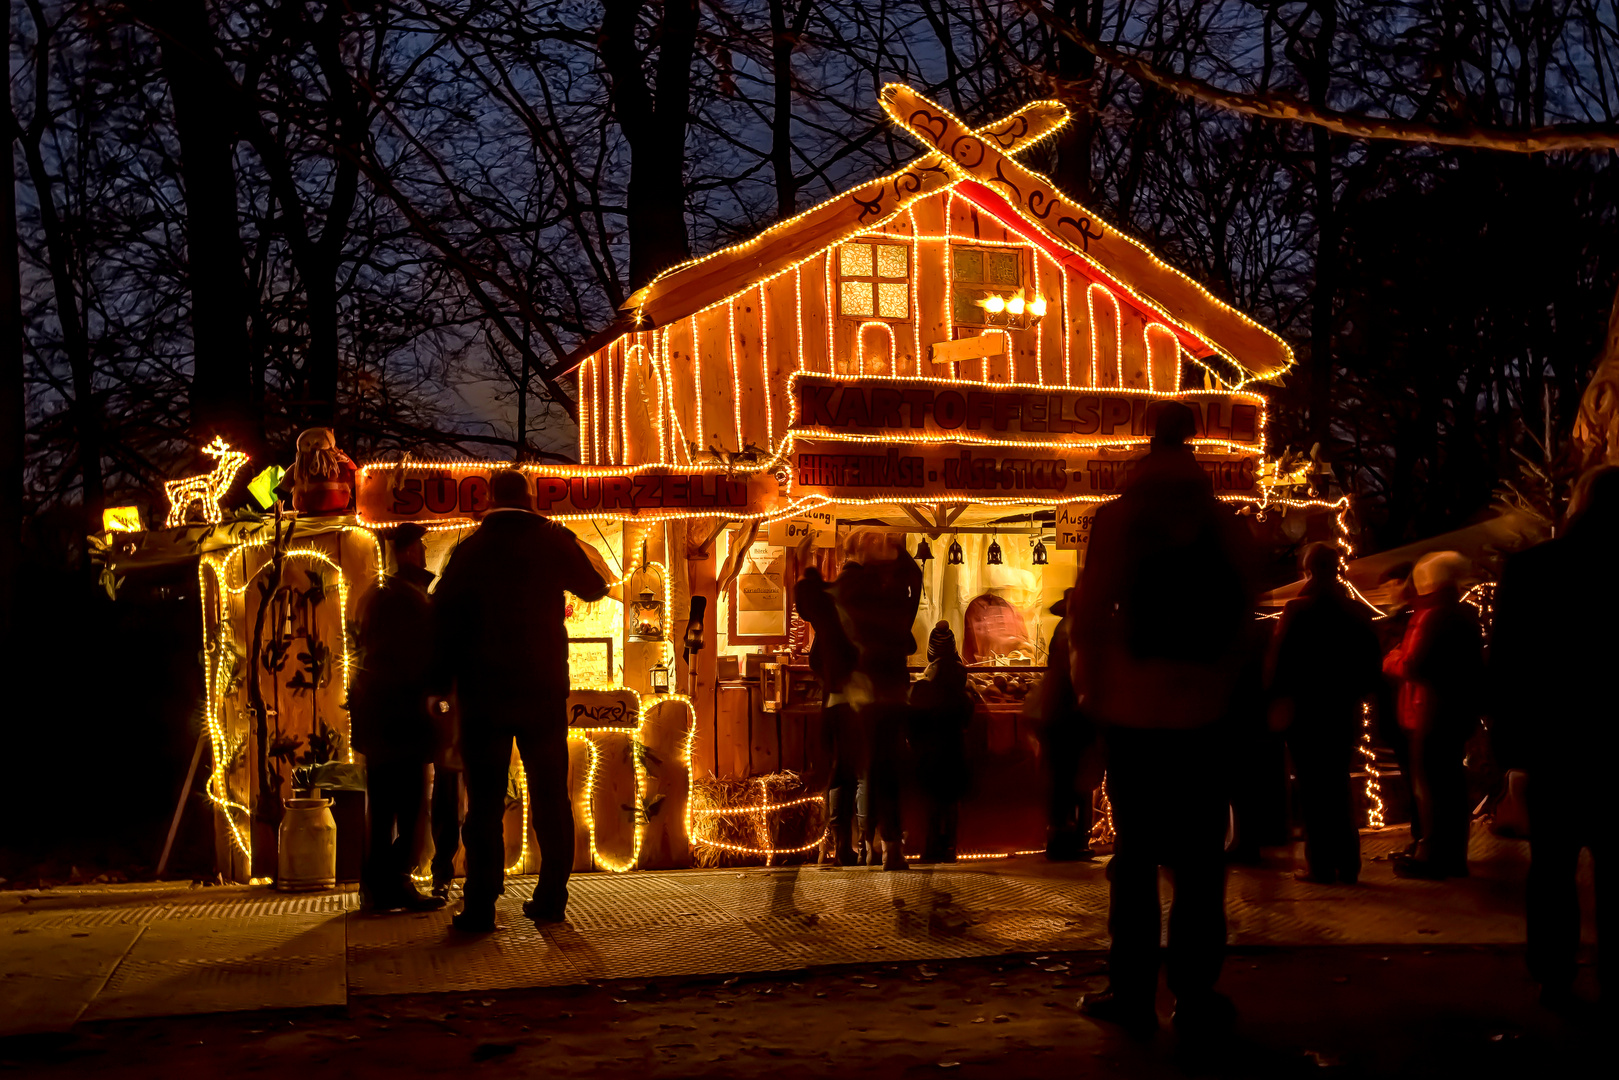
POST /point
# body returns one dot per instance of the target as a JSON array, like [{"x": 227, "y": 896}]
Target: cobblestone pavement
[{"x": 134, "y": 951}]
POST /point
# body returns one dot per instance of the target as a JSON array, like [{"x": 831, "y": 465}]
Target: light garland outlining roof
[{"x": 979, "y": 165}]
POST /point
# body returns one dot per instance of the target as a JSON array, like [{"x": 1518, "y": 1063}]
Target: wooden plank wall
[{"x": 718, "y": 378}]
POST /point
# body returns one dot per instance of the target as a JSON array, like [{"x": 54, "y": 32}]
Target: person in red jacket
[{"x": 1439, "y": 664}]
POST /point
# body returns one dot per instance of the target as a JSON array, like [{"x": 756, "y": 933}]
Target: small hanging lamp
[
  {"x": 1039, "y": 556},
  {"x": 646, "y": 612},
  {"x": 995, "y": 552},
  {"x": 955, "y": 553},
  {"x": 660, "y": 680},
  {"x": 923, "y": 552}
]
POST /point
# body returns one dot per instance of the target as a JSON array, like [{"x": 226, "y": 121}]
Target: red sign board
[
  {"x": 391, "y": 493},
  {"x": 902, "y": 408}
]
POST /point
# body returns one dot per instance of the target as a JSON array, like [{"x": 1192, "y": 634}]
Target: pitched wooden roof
[
  {"x": 981, "y": 165},
  {"x": 693, "y": 285}
]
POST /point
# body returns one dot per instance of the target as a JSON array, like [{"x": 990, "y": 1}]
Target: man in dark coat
[
  {"x": 1163, "y": 625},
  {"x": 1069, "y": 748},
  {"x": 503, "y": 642},
  {"x": 1554, "y": 642},
  {"x": 1325, "y": 666},
  {"x": 388, "y": 703},
  {"x": 942, "y": 703}
]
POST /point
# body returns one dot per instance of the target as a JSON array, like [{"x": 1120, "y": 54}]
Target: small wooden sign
[
  {"x": 1074, "y": 521},
  {"x": 790, "y": 532},
  {"x": 968, "y": 348}
]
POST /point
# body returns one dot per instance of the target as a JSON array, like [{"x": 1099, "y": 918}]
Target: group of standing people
[
  {"x": 874, "y": 716},
  {"x": 491, "y": 638},
  {"x": 1162, "y": 631},
  {"x": 1147, "y": 661}
]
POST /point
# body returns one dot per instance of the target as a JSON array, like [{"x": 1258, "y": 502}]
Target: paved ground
[
  {"x": 68, "y": 956},
  {"x": 1341, "y": 1011}
]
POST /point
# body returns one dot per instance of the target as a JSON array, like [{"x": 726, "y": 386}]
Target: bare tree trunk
[
  {"x": 1076, "y": 68},
  {"x": 1326, "y": 246},
  {"x": 783, "y": 41},
  {"x": 87, "y": 423},
  {"x": 320, "y": 274},
  {"x": 221, "y": 381},
  {"x": 654, "y": 121},
  {"x": 12, "y": 400}
]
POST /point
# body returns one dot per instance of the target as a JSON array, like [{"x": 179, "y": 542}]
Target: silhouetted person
[
  {"x": 388, "y": 703},
  {"x": 501, "y": 632},
  {"x": 877, "y": 603},
  {"x": 1440, "y": 665},
  {"x": 1325, "y": 665},
  {"x": 1069, "y": 747},
  {"x": 832, "y": 657},
  {"x": 1164, "y": 622},
  {"x": 446, "y": 818},
  {"x": 941, "y": 708},
  {"x": 1552, "y": 653}
]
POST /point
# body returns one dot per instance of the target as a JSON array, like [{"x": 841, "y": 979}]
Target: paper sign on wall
[
  {"x": 790, "y": 532},
  {"x": 1074, "y": 521}
]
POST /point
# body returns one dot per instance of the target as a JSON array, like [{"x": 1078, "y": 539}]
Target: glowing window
[
  {"x": 976, "y": 273},
  {"x": 875, "y": 281}
]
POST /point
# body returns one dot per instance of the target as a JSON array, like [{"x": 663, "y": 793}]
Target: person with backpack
[{"x": 1163, "y": 629}]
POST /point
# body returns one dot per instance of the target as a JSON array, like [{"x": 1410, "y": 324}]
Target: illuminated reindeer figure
[{"x": 205, "y": 490}]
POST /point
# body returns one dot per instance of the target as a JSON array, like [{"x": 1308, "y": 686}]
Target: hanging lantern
[
  {"x": 660, "y": 680},
  {"x": 923, "y": 552},
  {"x": 646, "y": 618},
  {"x": 1039, "y": 557},
  {"x": 646, "y": 611},
  {"x": 995, "y": 552},
  {"x": 955, "y": 553}
]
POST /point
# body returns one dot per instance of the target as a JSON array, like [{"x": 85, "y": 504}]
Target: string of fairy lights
[
  {"x": 633, "y": 380},
  {"x": 597, "y": 446}
]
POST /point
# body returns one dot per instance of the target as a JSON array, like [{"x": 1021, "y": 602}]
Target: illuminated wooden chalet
[
  {"x": 963, "y": 266},
  {"x": 955, "y": 359}
]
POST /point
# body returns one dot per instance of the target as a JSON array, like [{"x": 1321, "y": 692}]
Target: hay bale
[{"x": 727, "y": 829}]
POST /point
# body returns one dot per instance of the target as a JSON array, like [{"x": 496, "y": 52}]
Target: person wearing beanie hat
[
  {"x": 1440, "y": 665},
  {"x": 388, "y": 709},
  {"x": 941, "y": 707}
]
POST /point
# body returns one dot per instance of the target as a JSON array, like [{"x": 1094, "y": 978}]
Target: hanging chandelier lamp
[
  {"x": 955, "y": 553},
  {"x": 995, "y": 552}
]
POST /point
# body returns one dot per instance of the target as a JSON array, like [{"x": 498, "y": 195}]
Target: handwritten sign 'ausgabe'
[{"x": 899, "y": 408}]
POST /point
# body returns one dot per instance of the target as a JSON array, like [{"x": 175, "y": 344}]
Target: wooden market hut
[{"x": 954, "y": 353}]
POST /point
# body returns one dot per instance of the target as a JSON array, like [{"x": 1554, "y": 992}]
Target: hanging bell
[
  {"x": 955, "y": 553},
  {"x": 923, "y": 552},
  {"x": 995, "y": 552},
  {"x": 1039, "y": 555}
]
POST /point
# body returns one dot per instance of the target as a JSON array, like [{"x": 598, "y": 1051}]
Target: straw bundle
[{"x": 728, "y": 829}]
